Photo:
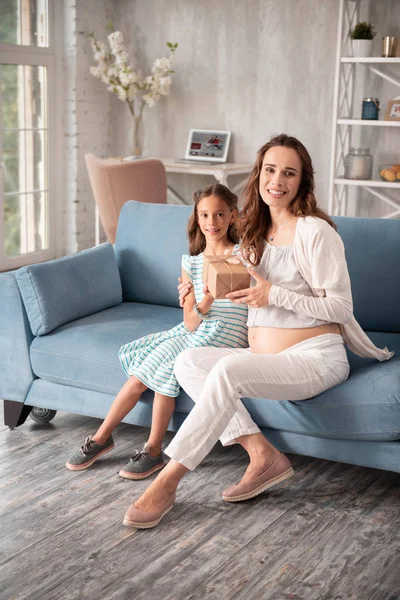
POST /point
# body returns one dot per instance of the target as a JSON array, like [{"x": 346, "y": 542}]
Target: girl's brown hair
[
  {"x": 256, "y": 217},
  {"x": 197, "y": 240}
]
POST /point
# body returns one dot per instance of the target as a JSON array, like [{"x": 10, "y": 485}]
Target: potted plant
[{"x": 361, "y": 39}]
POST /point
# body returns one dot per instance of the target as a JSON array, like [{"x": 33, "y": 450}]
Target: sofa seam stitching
[
  {"x": 333, "y": 434},
  {"x": 330, "y": 406},
  {"x": 80, "y": 358},
  {"x": 37, "y": 298},
  {"x": 69, "y": 379}
]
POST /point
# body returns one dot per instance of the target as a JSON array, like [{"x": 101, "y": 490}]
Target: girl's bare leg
[
  {"x": 123, "y": 403},
  {"x": 163, "y": 407}
]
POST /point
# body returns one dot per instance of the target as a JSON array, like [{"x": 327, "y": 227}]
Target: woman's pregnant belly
[{"x": 271, "y": 340}]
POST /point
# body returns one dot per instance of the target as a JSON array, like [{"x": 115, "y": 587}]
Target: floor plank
[
  {"x": 330, "y": 533},
  {"x": 312, "y": 553}
]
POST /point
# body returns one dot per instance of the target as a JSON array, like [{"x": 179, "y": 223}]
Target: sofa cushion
[
  {"x": 151, "y": 239},
  {"x": 365, "y": 407},
  {"x": 65, "y": 289},
  {"x": 374, "y": 279},
  {"x": 85, "y": 353}
]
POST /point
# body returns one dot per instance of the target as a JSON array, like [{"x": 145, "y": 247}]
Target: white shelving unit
[
  {"x": 368, "y": 123},
  {"x": 343, "y": 117}
]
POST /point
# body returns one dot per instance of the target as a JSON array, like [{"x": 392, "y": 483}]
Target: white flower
[
  {"x": 105, "y": 79},
  {"x": 121, "y": 58},
  {"x": 139, "y": 80},
  {"x": 171, "y": 61},
  {"x": 132, "y": 91},
  {"x": 160, "y": 85},
  {"x": 165, "y": 85},
  {"x": 116, "y": 40},
  {"x": 149, "y": 99},
  {"x": 161, "y": 64},
  {"x": 112, "y": 72},
  {"x": 95, "y": 71},
  {"x": 99, "y": 51},
  {"x": 121, "y": 93},
  {"x": 117, "y": 72},
  {"x": 124, "y": 78},
  {"x": 133, "y": 78}
]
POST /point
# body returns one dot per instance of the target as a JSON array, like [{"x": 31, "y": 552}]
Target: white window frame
[{"x": 49, "y": 57}]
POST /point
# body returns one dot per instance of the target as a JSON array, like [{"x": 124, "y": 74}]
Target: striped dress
[{"x": 152, "y": 357}]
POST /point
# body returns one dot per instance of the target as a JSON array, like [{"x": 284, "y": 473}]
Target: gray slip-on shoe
[
  {"x": 142, "y": 464},
  {"x": 280, "y": 470},
  {"x": 88, "y": 453},
  {"x": 134, "y": 517}
]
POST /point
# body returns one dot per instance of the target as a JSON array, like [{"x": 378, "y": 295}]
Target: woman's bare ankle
[
  {"x": 258, "y": 448},
  {"x": 171, "y": 475}
]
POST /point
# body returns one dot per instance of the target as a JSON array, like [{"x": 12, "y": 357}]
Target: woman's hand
[
  {"x": 184, "y": 289},
  {"x": 256, "y": 296}
]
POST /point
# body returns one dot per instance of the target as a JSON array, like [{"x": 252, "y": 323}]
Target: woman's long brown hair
[
  {"x": 256, "y": 217},
  {"x": 197, "y": 240}
]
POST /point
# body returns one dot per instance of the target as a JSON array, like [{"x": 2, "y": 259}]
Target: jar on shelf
[
  {"x": 370, "y": 109},
  {"x": 358, "y": 164}
]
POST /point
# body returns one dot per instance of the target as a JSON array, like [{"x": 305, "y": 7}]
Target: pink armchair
[{"x": 113, "y": 183}]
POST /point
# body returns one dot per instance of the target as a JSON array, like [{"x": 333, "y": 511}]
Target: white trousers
[{"x": 216, "y": 379}]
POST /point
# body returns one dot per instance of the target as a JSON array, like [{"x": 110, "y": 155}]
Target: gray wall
[{"x": 255, "y": 67}]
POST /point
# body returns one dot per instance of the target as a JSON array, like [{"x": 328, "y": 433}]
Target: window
[{"x": 27, "y": 133}]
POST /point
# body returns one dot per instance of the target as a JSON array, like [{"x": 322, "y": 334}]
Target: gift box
[{"x": 224, "y": 274}]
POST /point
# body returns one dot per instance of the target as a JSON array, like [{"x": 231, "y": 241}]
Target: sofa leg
[{"x": 15, "y": 413}]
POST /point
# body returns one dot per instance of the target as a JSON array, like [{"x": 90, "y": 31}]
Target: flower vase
[{"x": 136, "y": 145}]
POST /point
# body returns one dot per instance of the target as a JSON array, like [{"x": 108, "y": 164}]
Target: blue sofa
[{"x": 62, "y": 323}]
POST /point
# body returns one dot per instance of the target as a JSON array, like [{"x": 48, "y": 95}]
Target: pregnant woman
[{"x": 300, "y": 317}]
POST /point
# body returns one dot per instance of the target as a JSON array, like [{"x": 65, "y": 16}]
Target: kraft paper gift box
[{"x": 224, "y": 274}]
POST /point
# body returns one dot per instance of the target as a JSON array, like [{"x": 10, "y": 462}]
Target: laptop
[{"x": 206, "y": 146}]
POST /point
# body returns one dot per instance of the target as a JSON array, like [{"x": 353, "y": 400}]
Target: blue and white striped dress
[{"x": 152, "y": 357}]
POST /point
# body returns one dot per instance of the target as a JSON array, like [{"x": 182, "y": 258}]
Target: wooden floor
[{"x": 330, "y": 533}]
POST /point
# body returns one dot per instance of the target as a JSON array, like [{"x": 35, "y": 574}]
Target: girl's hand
[
  {"x": 255, "y": 297},
  {"x": 184, "y": 289}
]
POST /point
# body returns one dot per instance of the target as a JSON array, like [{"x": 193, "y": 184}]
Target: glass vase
[{"x": 136, "y": 149}]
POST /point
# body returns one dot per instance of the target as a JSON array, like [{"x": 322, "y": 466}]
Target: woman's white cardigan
[{"x": 319, "y": 255}]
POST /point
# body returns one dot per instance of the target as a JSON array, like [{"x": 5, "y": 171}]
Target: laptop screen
[{"x": 208, "y": 144}]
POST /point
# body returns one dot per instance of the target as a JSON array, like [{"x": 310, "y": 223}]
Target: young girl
[{"x": 149, "y": 361}]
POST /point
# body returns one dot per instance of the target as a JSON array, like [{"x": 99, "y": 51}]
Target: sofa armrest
[{"x": 16, "y": 375}]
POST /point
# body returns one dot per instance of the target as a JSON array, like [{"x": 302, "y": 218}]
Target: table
[{"x": 221, "y": 172}]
